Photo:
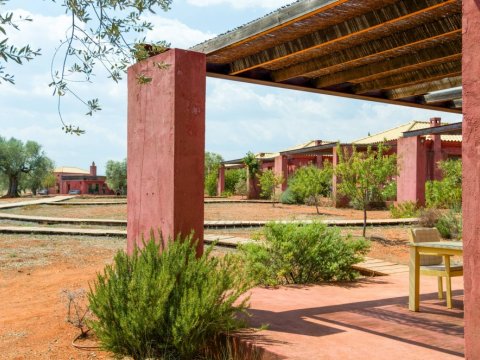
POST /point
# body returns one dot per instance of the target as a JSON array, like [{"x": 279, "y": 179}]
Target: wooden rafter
[
  {"x": 424, "y": 88},
  {"x": 433, "y": 72},
  {"x": 402, "y": 11},
  {"x": 445, "y": 29},
  {"x": 458, "y": 103},
  {"x": 443, "y": 96},
  {"x": 410, "y": 61}
]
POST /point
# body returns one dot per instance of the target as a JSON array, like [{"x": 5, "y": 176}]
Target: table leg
[
  {"x": 448, "y": 280},
  {"x": 414, "y": 280}
]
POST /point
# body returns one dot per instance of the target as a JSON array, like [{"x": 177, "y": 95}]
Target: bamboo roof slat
[
  {"x": 390, "y": 51},
  {"x": 434, "y": 72},
  {"x": 364, "y": 27},
  {"x": 419, "y": 89},
  {"x": 402, "y": 42}
]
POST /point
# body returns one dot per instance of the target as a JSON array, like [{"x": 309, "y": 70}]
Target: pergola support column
[
  {"x": 281, "y": 169},
  {"x": 221, "y": 180},
  {"x": 166, "y": 145},
  {"x": 471, "y": 175},
  {"x": 412, "y": 158}
]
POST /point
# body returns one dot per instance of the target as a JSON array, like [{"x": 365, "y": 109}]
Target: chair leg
[
  {"x": 440, "y": 287},
  {"x": 448, "y": 281}
]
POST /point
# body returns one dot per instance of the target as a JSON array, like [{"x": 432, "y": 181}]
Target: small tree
[
  {"x": 213, "y": 162},
  {"x": 311, "y": 181},
  {"x": 446, "y": 193},
  {"x": 18, "y": 159},
  {"x": 116, "y": 172},
  {"x": 253, "y": 167},
  {"x": 36, "y": 178},
  {"x": 268, "y": 184},
  {"x": 362, "y": 174}
]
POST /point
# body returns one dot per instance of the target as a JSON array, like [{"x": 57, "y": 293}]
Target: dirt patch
[{"x": 213, "y": 212}]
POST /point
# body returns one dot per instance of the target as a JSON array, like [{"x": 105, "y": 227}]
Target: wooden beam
[
  {"x": 434, "y": 72},
  {"x": 443, "y": 96},
  {"x": 449, "y": 129},
  {"x": 458, "y": 103},
  {"x": 311, "y": 89},
  {"x": 445, "y": 29},
  {"x": 374, "y": 22},
  {"x": 411, "y": 61},
  {"x": 420, "y": 89}
]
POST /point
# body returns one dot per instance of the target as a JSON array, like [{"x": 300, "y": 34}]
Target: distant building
[{"x": 87, "y": 182}]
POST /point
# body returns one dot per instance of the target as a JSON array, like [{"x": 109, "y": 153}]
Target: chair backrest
[{"x": 426, "y": 235}]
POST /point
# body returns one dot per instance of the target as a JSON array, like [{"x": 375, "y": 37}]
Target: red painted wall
[
  {"x": 166, "y": 146},
  {"x": 471, "y": 175}
]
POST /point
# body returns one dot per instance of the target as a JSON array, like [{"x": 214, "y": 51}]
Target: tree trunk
[
  {"x": 316, "y": 205},
  {"x": 12, "y": 186},
  {"x": 364, "y": 220}
]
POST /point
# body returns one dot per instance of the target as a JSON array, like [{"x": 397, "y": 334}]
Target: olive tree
[
  {"x": 363, "y": 173},
  {"x": 116, "y": 172},
  {"x": 269, "y": 183}
]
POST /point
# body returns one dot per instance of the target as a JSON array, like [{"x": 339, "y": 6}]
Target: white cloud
[
  {"x": 242, "y": 4},
  {"x": 175, "y": 32}
]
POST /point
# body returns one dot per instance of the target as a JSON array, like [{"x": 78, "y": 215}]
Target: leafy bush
[
  {"x": 312, "y": 182},
  {"x": 226, "y": 194},
  {"x": 288, "y": 197},
  {"x": 211, "y": 184},
  {"x": 166, "y": 303},
  {"x": 268, "y": 184},
  {"x": 241, "y": 187},
  {"x": 302, "y": 254},
  {"x": 429, "y": 217},
  {"x": 407, "y": 209},
  {"x": 446, "y": 193},
  {"x": 232, "y": 177},
  {"x": 389, "y": 192},
  {"x": 449, "y": 225}
]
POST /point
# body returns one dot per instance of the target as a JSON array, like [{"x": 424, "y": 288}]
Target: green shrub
[
  {"x": 166, "y": 303},
  {"x": 429, "y": 217},
  {"x": 233, "y": 177},
  {"x": 446, "y": 193},
  {"x": 449, "y": 225},
  {"x": 302, "y": 254},
  {"x": 241, "y": 187},
  {"x": 226, "y": 194},
  {"x": 211, "y": 184},
  {"x": 407, "y": 209},
  {"x": 389, "y": 192},
  {"x": 288, "y": 197}
]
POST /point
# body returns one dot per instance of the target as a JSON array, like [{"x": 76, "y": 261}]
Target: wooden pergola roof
[{"x": 389, "y": 51}]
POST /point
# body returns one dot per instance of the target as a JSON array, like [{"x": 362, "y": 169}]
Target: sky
[{"x": 239, "y": 117}]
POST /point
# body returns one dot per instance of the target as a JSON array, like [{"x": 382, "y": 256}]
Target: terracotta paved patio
[{"x": 365, "y": 320}]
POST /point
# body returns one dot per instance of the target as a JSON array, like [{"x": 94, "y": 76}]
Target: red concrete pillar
[
  {"x": 437, "y": 149},
  {"x": 84, "y": 187},
  {"x": 221, "y": 180},
  {"x": 166, "y": 145},
  {"x": 471, "y": 175},
  {"x": 319, "y": 161},
  {"x": 281, "y": 168},
  {"x": 412, "y": 163}
]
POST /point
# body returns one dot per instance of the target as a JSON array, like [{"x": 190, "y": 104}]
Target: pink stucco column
[
  {"x": 221, "y": 180},
  {"x": 471, "y": 175},
  {"x": 166, "y": 145},
  {"x": 281, "y": 168},
  {"x": 412, "y": 163}
]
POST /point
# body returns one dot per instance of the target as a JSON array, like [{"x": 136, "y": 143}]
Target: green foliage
[
  {"x": 446, "y": 193},
  {"x": 389, "y": 192},
  {"x": 449, "y": 225},
  {"x": 100, "y": 34},
  {"x": 116, "y": 172},
  {"x": 23, "y": 164},
  {"x": 268, "y": 184},
  {"x": 363, "y": 175},
  {"x": 288, "y": 197},
  {"x": 232, "y": 177},
  {"x": 226, "y": 194},
  {"x": 252, "y": 164},
  {"x": 166, "y": 303},
  {"x": 211, "y": 184},
  {"x": 213, "y": 162},
  {"x": 49, "y": 180},
  {"x": 241, "y": 187},
  {"x": 302, "y": 254},
  {"x": 407, "y": 209},
  {"x": 312, "y": 182}
]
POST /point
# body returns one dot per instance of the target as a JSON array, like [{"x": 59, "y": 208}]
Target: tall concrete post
[
  {"x": 471, "y": 175},
  {"x": 281, "y": 169},
  {"x": 221, "y": 180},
  {"x": 166, "y": 146},
  {"x": 412, "y": 163}
]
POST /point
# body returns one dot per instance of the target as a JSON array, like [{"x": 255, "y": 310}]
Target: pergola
[{"x": 391, "y": 51}]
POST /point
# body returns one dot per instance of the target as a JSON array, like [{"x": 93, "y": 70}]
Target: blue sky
[{"x": 240, "y": 117}]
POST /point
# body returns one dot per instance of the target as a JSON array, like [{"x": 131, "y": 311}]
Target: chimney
[
  {"x": 318, "y": 142},
  {"x": 436, "y": 121},
  {"x": 93, "y": 169}
]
